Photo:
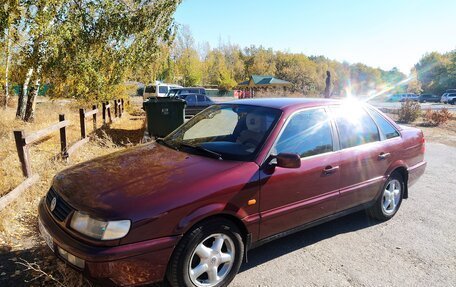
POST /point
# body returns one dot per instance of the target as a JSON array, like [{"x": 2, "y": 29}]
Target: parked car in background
[
  {"x": 187, "y": 90},
  {"x": 188, "y": 207},
  {"x": 158, "y": 89},
  {"x": 448, "y": 98},
  {"x": 428, "y": 98},
  {"x": 403, "y": 97},
  {"x": 195, "y": 103}
]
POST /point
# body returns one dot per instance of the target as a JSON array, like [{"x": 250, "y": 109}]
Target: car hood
[{"x": 136, "y": 182}]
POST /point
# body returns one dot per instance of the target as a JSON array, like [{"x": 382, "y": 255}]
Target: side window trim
[
  {"x": 382, "y": 135},
  {"x": 287, "y": 121},
  {"x": 379, "y": 132}
]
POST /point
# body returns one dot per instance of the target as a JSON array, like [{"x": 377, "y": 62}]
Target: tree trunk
[
  {"x": 8, "y": 61},
  {"x": 31, "y": 101},
  {"x": 21, "y": 105}
]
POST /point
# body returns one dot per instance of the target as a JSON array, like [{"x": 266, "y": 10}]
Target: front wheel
[
  {"x": 388, "y": 203},
  {"x": 209, "y": 255}
]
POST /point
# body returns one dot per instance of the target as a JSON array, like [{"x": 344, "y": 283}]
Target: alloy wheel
[
  {"x": 212, "y": 260},
  {"x": 391, "y": 197}
]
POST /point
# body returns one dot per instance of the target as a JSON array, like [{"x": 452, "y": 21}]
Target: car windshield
[
  {"x": 172, "y": 92},
  {"x": 232, "y": 132}
]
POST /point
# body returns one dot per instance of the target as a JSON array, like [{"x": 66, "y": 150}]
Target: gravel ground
[{"x": 415, "y": 248}]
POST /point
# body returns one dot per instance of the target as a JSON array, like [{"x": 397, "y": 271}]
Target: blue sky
[{"x": 378, "y": 33}]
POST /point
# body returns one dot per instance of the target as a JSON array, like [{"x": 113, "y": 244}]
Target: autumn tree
[
  {"x": 186, "y": 57},
  {"x": 432, "y": 72},
  {"x": 414, "y": 85},
  {"x": 10, "y": 15},
  {"x": 86, "y": 48}
]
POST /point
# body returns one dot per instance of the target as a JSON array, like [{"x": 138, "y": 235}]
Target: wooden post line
[
  {"x": 107, "y": 113},
  {"x": 24, "y": 141},
  {"x": 117, "y": 108},
  {"x": 82, "y": 119}
]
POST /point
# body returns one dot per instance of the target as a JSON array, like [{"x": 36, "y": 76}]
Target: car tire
[
  {"x": 390, "y": 199},
  {"x": 200, "y": 249}
]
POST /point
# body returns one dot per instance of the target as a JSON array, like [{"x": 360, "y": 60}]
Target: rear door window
[
  {"x": 385, "y": 126},
  {"x": 355, "y": 126},
  {"x": 307, "y": 133}
]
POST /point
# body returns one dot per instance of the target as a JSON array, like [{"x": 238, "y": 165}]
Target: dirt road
[{"x": 416, "y": 248}]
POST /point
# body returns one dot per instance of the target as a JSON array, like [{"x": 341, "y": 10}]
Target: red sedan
[{"x": 187, "y": 208}]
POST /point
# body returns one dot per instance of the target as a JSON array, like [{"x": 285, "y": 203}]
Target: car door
[
  {"x": 363, "y": 157},
  {"x": 292, "y": 197}
]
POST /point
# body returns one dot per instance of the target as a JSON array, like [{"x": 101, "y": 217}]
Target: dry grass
[{"x": 18, "y": 231}]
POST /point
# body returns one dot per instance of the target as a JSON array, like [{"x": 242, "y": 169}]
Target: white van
[{"x": 158, "y": 89}]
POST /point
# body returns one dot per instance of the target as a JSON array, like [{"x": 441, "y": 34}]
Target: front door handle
[
  {"x": 330, "y": 169},
  {"x": 384, "y": 155}
]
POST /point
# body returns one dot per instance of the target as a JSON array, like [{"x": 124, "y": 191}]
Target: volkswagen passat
[{"x": 188, "y": 207}]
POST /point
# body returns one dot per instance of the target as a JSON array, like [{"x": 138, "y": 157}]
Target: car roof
[
  {"x": 285, "y": 103},
  {"x": 188, "y": 88}
]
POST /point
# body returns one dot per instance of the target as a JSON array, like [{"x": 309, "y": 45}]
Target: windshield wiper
[
  {"x": 204, "y": 150},
  {"x": 165, "y": 143}
]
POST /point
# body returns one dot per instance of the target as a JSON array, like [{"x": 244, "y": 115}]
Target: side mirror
[{"x": 288, "y": 160}]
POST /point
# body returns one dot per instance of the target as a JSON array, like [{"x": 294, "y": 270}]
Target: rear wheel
[
  {"x": 390, "y": 200},
  {"x": 208, "y": 256}
]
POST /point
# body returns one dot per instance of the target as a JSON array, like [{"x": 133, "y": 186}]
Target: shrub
[
  {"x": 437, "y": 118},
  {"x": 409, "y": 111}
]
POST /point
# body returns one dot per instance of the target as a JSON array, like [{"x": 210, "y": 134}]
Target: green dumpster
[{"x": 164, "y": 115}]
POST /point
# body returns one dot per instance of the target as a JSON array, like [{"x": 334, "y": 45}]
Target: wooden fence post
[
  {"x": 122, "y": 105},
  {"x": 104, "y": 113},
  {"x": 94, "y": 107},
  {"x": 116, "y": 110},
  {"x": 63, "y": 140},
  {"x": 109, "y": 112},
  {"x": 23, "y": 153},
  {"x": 83, "y": 125}
]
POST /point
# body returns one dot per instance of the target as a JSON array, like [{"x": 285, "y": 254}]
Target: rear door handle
[
  {"x": 384, "y": 155},
  {"x": 330, "y": 169}
]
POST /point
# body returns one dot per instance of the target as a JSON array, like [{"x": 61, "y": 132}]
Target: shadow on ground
[
  {"x": 32, "y": 263},
  {"x": 288, "y": 244},
  {"x": 123, "y": 136}
]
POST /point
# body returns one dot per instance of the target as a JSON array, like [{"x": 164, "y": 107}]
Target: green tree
[
  {"x": 218, "y": 72},
  {"x": 299, "y": 70},
  {"x": 10, "y": 15},
  {"x": 188, "y": 63},
  {"x": 259, "y": 61},
  {"x": 414, "y": 85},
  {"x": 432, "y": 71},
  {"x": 88, "y": 48}
]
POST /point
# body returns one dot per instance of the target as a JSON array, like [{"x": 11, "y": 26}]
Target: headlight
[{"x": 98, "y": 229}]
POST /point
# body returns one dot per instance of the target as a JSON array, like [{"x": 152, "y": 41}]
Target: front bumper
[{"x": 125, "y": 265}]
